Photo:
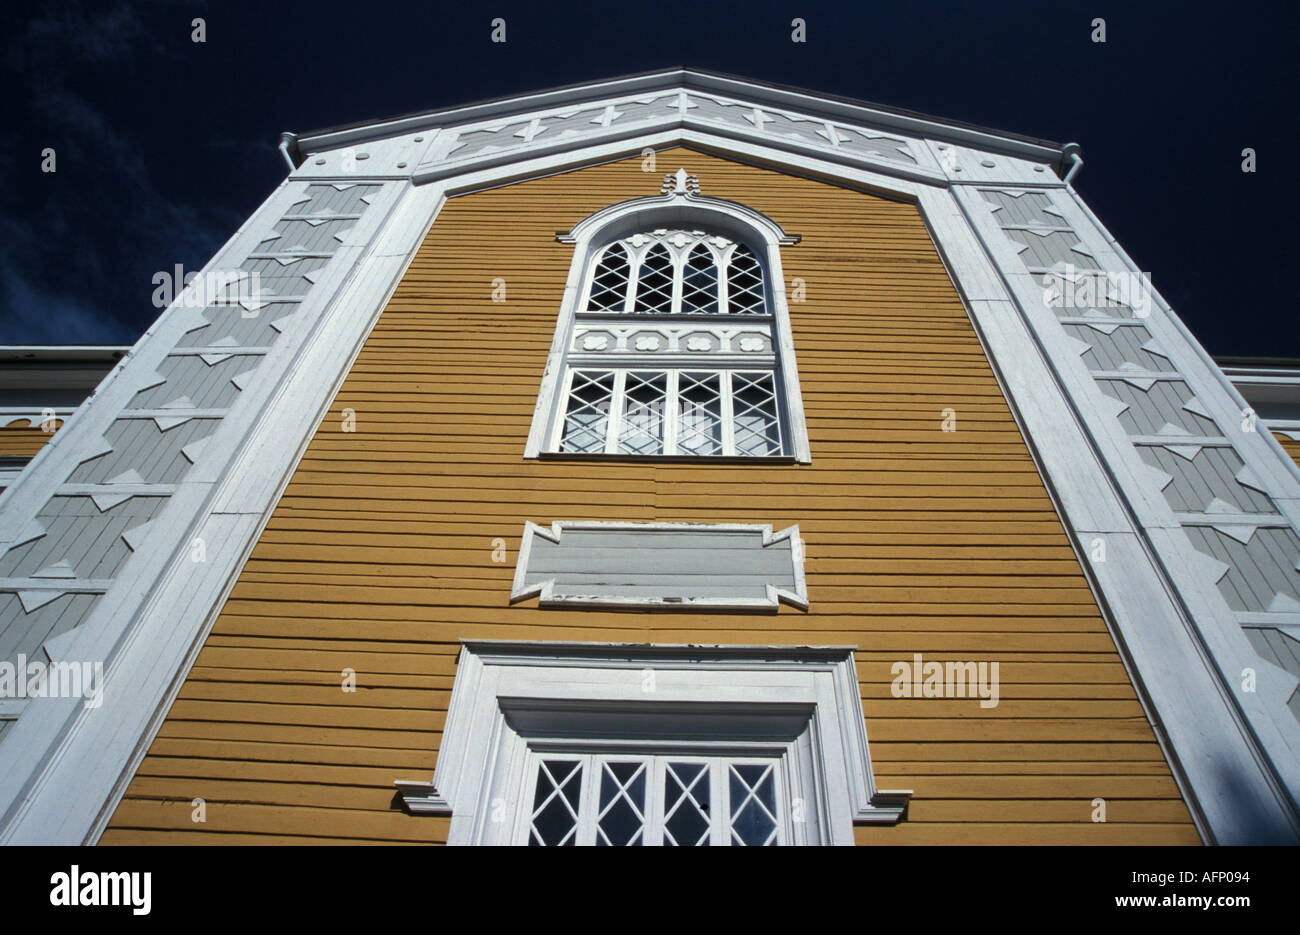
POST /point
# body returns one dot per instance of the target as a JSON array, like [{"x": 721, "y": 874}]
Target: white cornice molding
[
  {"x": 809, "y": 102},
  {"x": 426, "y": 148}
]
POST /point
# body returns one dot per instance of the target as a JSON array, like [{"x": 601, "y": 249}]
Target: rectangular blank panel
[{"x": 664, "y": 565}]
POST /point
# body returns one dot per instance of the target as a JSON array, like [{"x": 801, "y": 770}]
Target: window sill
[{"x": 675, "y": 459}]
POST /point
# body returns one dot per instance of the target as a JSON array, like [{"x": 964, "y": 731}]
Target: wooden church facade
[{"x": 639, "y": 462}]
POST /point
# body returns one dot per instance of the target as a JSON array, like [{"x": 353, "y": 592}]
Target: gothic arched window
[
  {"x": 676, "y": 272},
  {"x": 674, "y": 337}
]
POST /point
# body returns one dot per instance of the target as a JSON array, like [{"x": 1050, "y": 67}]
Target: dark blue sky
[{"x": 165, "y": 146}]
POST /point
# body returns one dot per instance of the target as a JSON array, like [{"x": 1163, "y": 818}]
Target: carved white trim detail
[{"x": 510, "y": 695}]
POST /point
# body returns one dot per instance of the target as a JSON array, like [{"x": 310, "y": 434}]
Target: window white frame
[
  {"x": 680, "y": 209},
  {"x": 799, "y": 704},
  {"x": 681, "y": 245},
  {"x": 670, "y": 419},
  {"x": 714, "y": 787}
]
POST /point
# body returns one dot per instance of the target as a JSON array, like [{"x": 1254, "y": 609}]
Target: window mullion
[
  {"x": 588, "y": 801},
  {"x": 719, "y": 802},
  {"x": 633, "y": 275},
  {"x": 614, "y": 424},
  {"x": 671, "y": 412},
  {"x": 679, "y": 274},
  {"x": 654, "y": 807},
  {"x": 728, "y": 425},
  {"x": 724, "y": 267}
]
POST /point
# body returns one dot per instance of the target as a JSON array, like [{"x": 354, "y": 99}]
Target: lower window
[
  {"x": 562, "y": 744},
  {"x": 672, "y": 412},
  {"x": 675, "y": 801}
]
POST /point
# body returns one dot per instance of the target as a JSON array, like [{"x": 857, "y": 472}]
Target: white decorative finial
[{"x": 679, "y": 184}]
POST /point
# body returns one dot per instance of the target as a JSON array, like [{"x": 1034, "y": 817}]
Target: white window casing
[
  {"x": 797, "y": 708},
  {"x": 673, "y": 337},
  {"x": 673, "y": 799},
  {"x": 733, "y": 413}
]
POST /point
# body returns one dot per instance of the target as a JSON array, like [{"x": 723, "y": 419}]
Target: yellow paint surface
[{"x": 379, "y": 556}]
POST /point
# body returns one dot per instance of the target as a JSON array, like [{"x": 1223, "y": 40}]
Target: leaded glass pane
[
  {"x": 586, "y": 421},
  {"x": 654, "y": 288},
  {"x": 686, "y": 805},
  {"x": 642, "y": 431},
  {"x": 753, "y": 804},
  {"x": 745, "y": 284},
  {"x": 555, "y": 803},
  {"x": 699, "y": 407},
  {"x": 609, "y": 282},
  {"x": 621, "y": 821},
  {"x": 755, "y": 423},
  {"x": 700, "y": 283}
]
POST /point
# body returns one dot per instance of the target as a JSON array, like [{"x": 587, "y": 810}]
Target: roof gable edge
[{"x": 921, "y": 126}]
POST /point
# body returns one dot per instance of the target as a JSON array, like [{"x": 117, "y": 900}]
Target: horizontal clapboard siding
[
  {"x": 379, "y": 557},
  {"x": 21, "y": 439}
]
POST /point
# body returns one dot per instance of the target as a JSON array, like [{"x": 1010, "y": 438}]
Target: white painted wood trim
[
  {"x": 594, "y": 233},
  {"x": 1270, "y": 722},
  {"x": 545, "y": 591},
  {"x": 70, "y": 797},
  {"x": 480, "y": 762},
  {"x": 1103, "y": 494},
  {"x": 601, "y": 92}
]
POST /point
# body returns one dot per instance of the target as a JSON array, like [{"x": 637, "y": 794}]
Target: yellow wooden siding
[
  {"x": 1292, "y": 448},
  {"x": 21, "y": 439},
  {"x": 379, "y": 556}
]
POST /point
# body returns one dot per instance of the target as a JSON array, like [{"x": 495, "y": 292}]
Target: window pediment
[{"x": 525, "y": 719}]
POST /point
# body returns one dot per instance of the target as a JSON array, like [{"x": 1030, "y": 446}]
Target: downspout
[
  {"x": 1072, "y": 151},
  {"x": 287, "y": 140}
]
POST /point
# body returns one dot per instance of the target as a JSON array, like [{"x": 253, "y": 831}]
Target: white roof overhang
[{"x": 442, "y": 143}]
